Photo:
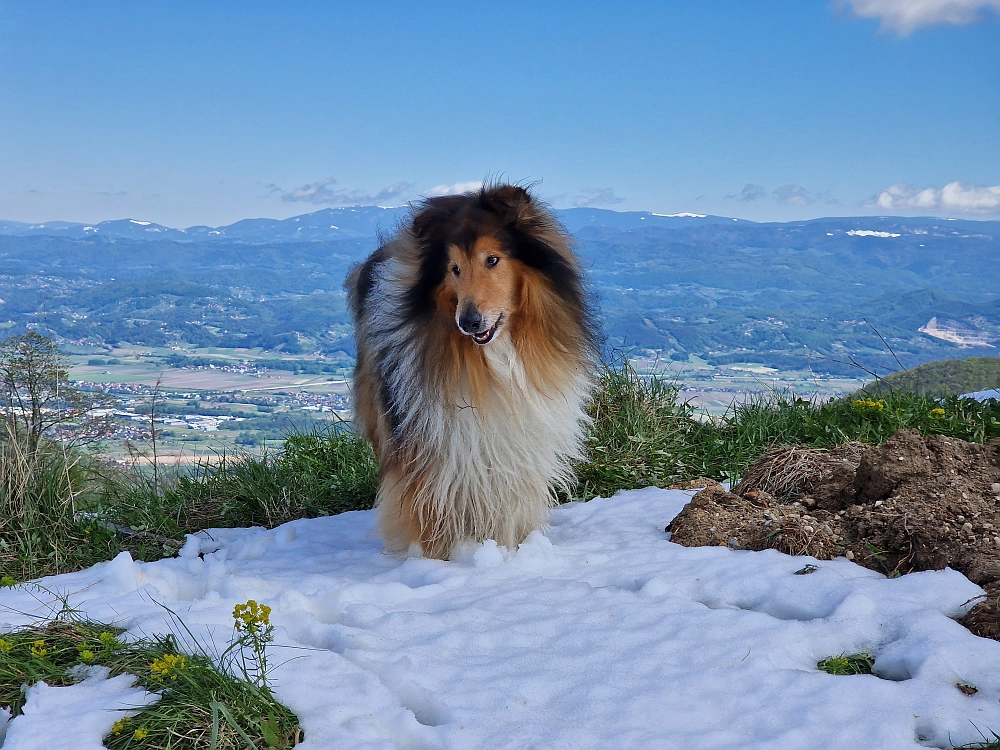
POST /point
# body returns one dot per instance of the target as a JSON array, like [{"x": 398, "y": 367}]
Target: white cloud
[
  {"x": 957, "y": 197},
  {"x": 453, "y": 189},
  {"x": 749, "y": 193},
  {"x": 906, "y": 16},
  {"x": 590, "y": 196},
  {"x": 325, "y": 194},
  {"x": 796, "y": 195}
]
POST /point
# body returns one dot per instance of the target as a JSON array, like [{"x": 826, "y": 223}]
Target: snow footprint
[{"x": 398, "y": 679}]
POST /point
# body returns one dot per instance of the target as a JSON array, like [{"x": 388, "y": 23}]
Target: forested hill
[{"x": 950, "y": 377}]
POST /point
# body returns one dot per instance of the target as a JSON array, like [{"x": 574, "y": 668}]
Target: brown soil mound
[
  {"x": 912, "y": 503},
  {"x": 789, "y": 473}
]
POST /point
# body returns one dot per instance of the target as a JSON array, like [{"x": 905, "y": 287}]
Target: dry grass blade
[
  {"x": 37, "y": 502},
  {"x": 789, "y": 471}
]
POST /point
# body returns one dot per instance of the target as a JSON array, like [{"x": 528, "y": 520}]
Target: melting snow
[
  {"x": 983, "y": 395},
  {"x": 76, "y": 717},
  {"x": 871, "y": 233},
  {"x": 682, "y": 216},
  {"x": 141, "y": 223},
  {"x": 599, "y": 633}
]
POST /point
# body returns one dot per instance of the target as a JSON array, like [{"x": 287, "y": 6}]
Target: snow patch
[
  {"x": 871, "y": 233},
  {"x": 75, "y": 717},
  {"x": 983, "y": 395},
  {"x": 598, "y": 632}
]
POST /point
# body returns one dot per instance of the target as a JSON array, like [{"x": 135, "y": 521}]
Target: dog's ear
[
  {"x": 432, "y": 222},
  {"x": 507, "y": 202}
]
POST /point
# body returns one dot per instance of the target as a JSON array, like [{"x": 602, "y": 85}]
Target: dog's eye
[
  {"x": 454, "y": 270},
  {"x": 491, "y": 260}
]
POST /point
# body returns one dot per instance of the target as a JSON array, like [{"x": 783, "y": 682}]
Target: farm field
[
  {"x": 239, "y": 403},
  {"x": 204, "y": 411}
]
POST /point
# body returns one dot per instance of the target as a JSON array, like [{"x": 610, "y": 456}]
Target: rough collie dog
[{"x": 476, "y": 353}]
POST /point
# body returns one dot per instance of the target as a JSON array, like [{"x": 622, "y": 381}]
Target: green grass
[
  {"x": 987, "y": 743},
  {"x": 947, "y": 377},
  {"x": 191, "y": 688},
  {"x": 642, "y": 436},
  {"x": 324, "y": 472},
  {"x": 55, "y": 506},
  {"x": 847, "y": 665},
  {"x": 42, "y": 496},
  {"x": 783, "y": 418}
]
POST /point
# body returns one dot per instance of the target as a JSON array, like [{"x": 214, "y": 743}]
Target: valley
[{"x": 251, "y": 319}]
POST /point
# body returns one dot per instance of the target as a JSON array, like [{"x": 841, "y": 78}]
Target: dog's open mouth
[{"x": 487, "y": 336}]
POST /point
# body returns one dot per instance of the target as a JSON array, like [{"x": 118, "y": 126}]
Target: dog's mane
[
  {"x": 555, "y": 328},
  {"x": 554, "y": 333}
]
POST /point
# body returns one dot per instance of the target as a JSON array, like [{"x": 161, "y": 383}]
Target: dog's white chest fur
[{"x": 493, "y": 466}]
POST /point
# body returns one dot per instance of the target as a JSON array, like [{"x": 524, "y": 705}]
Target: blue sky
[{"x": 205, "y": 113}]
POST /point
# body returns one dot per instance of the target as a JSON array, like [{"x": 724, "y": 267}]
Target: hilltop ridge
[{"x": 352, "y": 222}]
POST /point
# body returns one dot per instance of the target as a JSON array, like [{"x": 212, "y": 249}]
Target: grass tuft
[
  {"x": 640, "y": 435},
  {"x": 192, "y": 689},
  {"x": 847, "y": 665},
  {"x": 988, "y": 743},
  {"x": 324, "y": 472},
  {"x": 43, "y": 496}
]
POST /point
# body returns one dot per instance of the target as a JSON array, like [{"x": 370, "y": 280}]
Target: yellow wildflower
[
  {"x": 5, "y": 645},
  {"x": 108, "y": 641},
  {"x": 140, "y": 734},
  {"x": 252, "y": 617},
  {"x": 168, "y": 666},
  {"x": 119, "y": 726},
  {"x": 38, "y": 649},
  {"x": 869, "y": 404},
  {"x": 87, "y": 656},
  {"x": 937, "y": 412},
  {"x": 7, "y": 581}
]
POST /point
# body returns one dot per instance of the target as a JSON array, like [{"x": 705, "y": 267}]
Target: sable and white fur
[{"x": 475, "y": 405}]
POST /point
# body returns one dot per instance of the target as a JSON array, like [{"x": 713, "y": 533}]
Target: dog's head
[{"x": 478, "y": 251}]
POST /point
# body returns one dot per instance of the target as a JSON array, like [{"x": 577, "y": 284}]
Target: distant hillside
[
  {"x": 352, "y": 222},
  {"x": 948, "y": 377},
  {"x": 830, "y": 295}
]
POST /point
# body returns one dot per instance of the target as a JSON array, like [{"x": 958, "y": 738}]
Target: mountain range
[
  {"x": 326, "y": 224},
  {"x": 811, "y": 293}
]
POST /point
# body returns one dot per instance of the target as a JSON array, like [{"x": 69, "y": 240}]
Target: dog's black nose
[{"x": 470, "y": 321}]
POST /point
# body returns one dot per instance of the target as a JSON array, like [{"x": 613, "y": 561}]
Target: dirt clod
[
  {"x": 823, "y": 479},
  {"x": 913, "y": 503}
]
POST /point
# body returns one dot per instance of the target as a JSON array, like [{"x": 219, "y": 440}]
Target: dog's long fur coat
[{"x": 476, "y": 357}]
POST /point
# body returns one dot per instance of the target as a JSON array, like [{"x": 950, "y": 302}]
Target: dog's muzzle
[{"x": 472, "y": 323}]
